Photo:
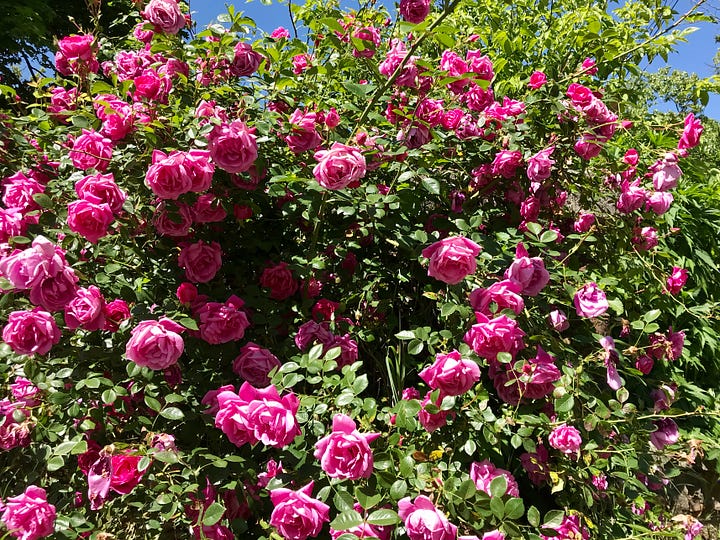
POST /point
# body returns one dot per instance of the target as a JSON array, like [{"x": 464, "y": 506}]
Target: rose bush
[{"x": 434, "y": 265}]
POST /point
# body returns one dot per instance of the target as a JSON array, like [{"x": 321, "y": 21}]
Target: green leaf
[
  {"x": 187, "y": 322},
  {"x": 383, "y": 517},
  {"x": 651, "y": 315},
  {"x": 366, "y": 497},
  {"x": 533, "y": 516},
  {"x": 497, "y": 507},
  {"x": 548, "y": 236},
  {"x": 498, "y": 486},
  {"x": 514, "y": 508},
  {"x": 565, "y": 403},
  {"x": 153, "y": 403},
  {"x": 431, "y": 185},
  {"x": 415, "y": 347},
  {"x": 213, "y": 514},
  {"x": 466, "y": 489},
  {"x": 346, "y": 520},
  {"x": 398, "y": 489},
  {"x": 316, "y": 352},
  {"x": 64, "y": 448},
  {"x": 43, "y": 200},
  {"x": 172, "y": 413},
  {"x": 343, "y": 501},
  {"x": 405, "y": 335},
  {"x": 553, "y": 519},
  {"x": 534, "y": 228},
  {"x": 55, "y": 463}
]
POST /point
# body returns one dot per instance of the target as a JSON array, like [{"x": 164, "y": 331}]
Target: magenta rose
[
  {"x": 590, "y": 301},
  {"x": 245, "y": 61},
  {"x": 451, "y": 259},
  {"x": 222, "y": 323},
  {"x": 506, "y": 163},
  {"x": 345, "y": 453},
  {"x": 173, "y": 220},
  {"x": 451, "y": 373},
  {"x": 659, "y": 202},
  {"x": 208, "y": 209},
  {"x": 200, "y": 261},
  {"x": 18, "y": 192},
  {"x": 31, "y": 332},
  {"x": 125, "y": 474},
  {"x": 53, "y": 293},
  {"x": 86, "y": 310},
  {"x": 303, "y": 135},
  {"x": 27, "y": 268},
  {"x": 312, "y": 332},
  {"x": 484, "y": 472},
  {"x": 279, "y": 279},
  {"x": 666, "y": 433},
  {"x": 165, "y": 15},
  {"x": 76, "y": 55},
  {"x": 432, "y": 420},
  {"x": 584, "y": 222},
  {"x": 530, "y": 273},
  {"x": 490, "y": 337},
  {"x": 414, "y": 11},
  {"x": 565, "y": 438},
  {"x": 537, "y": 80},
  {"x": 155, "y": 344},
  {"x": 99, "y": 189},
  {"x": 91, "y": 151},
  {"x": 691, "y": 133},
  {"x": 89, "y": 220},
  {"x": 676, "y": 280},
  {"x": 504, "y": 294},
  {"x": 296, "y": 515},
  {"x": 29, "y": 516},
  {"x": 666, "y": 173},
  {"x": 540, "y": 165},
  {"x": 341, "y": 166},
  {"x": 557, "y": 319},
  {"x": 423, "y": 521},
  {"x": 169, "y": 176},
  {"x": 254, "y": 363},
  {"x": 232, "y": 147},
  {"x": 571, "y": 527}
]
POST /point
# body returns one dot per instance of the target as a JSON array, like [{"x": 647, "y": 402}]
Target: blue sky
[{"x": 694, "y": 56}]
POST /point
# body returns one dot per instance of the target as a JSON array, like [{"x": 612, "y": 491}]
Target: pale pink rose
[
  {"x": 345, "y": 453},
  {"x": 666, "y": 173},
  {"x": 341, "y": 166},
  {"x": 31, "y": 332},
  {"x": 29, "y": 516},
  {"x": 666, "y": 433},
  {"x": 590, "y": 301},
  {"x": 540, "y": 165},
  {"x": 101, "y": 189},
  {"x": 165, "y": 15},
  {"x": 201, "y": 261},
  {"x": 452, "y": 259},
  {"x": 296, "y": 515},
  {"x": 529, "y": 273},
  {"x": 451, "y": 373},
  {"x": 565, "y": 438},
  {"x": 246, "y": 61},
  {"x": 484, "y": 472},
  {"x": 676, "y": 280},
  {"x": 490, "y": 337},
  {"x": 233, "y": 147},
  {"x": 557, "y": 319},
  {"x": 423, "y": 521},
  {"x": 155, "y": 344},
  {"x": 27, "y": 268},
  {"x": 86, "y": 310},
  {"x": 691, "y": 133},
  {"x": 254, "y": 363},
  {"x": 89, "y": 220},
  {"x": 659, "y": 202},
  {"x": 537, "y": 80},
  {"x": 414, "y": 11},
  {"x": 91, "y": 151},
  {"x": 174, "y": 220},
  {"x": 222, "y": 323}
]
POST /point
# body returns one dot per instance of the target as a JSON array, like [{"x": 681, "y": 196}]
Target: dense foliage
[{"x": 431, "y": 274}]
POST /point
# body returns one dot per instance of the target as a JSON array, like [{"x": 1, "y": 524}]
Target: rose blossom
[
  {"x": 484, "y": 472},
  {"x": 558, "y": 320},
  {"x": 303, "y": 135},
  {"x": 86, "y": 310},
  {"x": 345, "y": 453},
  {"x": 540, "y": 165},
  {"x": 173, "y": 219},
  {"x": 502, "y": 293},
  {"x": 666, "y": 433},
  {"x": 76, "y": 55},
  {"x": 18, "y": 192},
  {"x": 280, "y": 33},
  {"x": 451, "y": 373},
  {"x": 27, "y": 268},
  {"x": 208, "y": 209},
  {"x": 537, "y": 80},
  {"x": 232, "y": 147},
  {"x": 506, "y": 163},
  {"x": 165, "y": 15},
  {"x": 254, "y": 363},
  {"x": 125, "y": 474},
  {"x": 490, "y": 337},
  {"x": 414, "y": 11},
  {"x": 89, "y": 220},
  {"x": 222, "y": 323},
  {"x": 201, "y": 261},
  {"x": 341, "y": 166},
  {"x": 296, "y": 515},
  {"x": 584, "y": 222},
  {"x": 101, "y": 189},
  {"x": 590, "y": 301},
  {"x": 691, "y": 133},
  {"x": 30, "y": 332},
  {"x": 659, "y": 202},
  {"x": 29, "y": 516},
  {"x": 451, "y": 259},
  {"x": 423, "y": 521},
  {"x": 279, "y": 279},
  {"x": 529, "y": 273},
  {"x": 666, "y": 173},
  {"x": 155, "y": 344},
  {"x": 91, "y": 151},
  {"x": 676, "y": 280},
  {"x": 116, "y": 312},
  {"x": 570, "y": 527},
  {"x": 565, "y": 438},
  {"x": 245, "y": 60}
]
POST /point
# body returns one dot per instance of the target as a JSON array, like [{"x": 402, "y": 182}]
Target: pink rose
[
  {"x": 116, "y": 312},
  {"x": 86, "y": 310},
  {"x": 222, "y": 323},
  {"x": 580, "y": 96},
  {"x": 584, "y": 222},
  {"x": 589, "y": 67},
  {"x": 27, "y": 268},
  {"x": 54, "y": 292},
  {"x": 490, "y": 337},
  {"x": 557, "y": 320},
  {"x": 125, "y": 474},
  {"x": 296, "y": 515},
  {"x": 76, "y": 55},
  {"x": 370, "y": 38},
  {"x": 254, "y": 364},
  {"x": 540, "y": 165},
  {"x": 659, "y": 202},
  {"x": 506, "y": 163},
  {"x": 691, "y": 133},
  {"x": 29, "y": 516},
  {"x": 632, "y": 198},
  {"x": 186, "y": 293},
  {"x": 91, "y": 151},
  {"x": 165, "y": 15},
  {"x": 208, "y": 209},
  {"x": 339, "y": 167},
  {"x": 451, "y": 373},
  {"x": 565, "y": 438},
  {"x": 676, "y": 280},
  {"x": 666, "y": 433},
  {"x": 537, "y": 80},
  {"x": 245, "y": 60},
  {"x": 484, "y": 472},
  {"x": 280, "y": 33},
  {"x": 201, "y": 261},
  {"x": 666, "y": 173},
  {"x": 173, "y": 220},
  {"x": 588, "y": 146},
  {"x": 433, "y": 420},
  {"x": 233, "y": 147},
  {"x": 348, "y": 350},
  {"x": 528, "y": 272},
  {"x": 151, "y": 87},
  {"x": 644, "y": 364},
  {"x": 25, "y": 392},
  {"x": 345, "y": 453},
  {"x": 89, "y": 219},
  {"x": 18, "y": 192},
  {"x": 423, "y": 521},
  {"x": 279, "y": 279},
  {"x": 101, "y": 189},
  {"x": 31, "y": 332},
  {"x": 451, "y": 259},
  {"x": 303, "y": 136},
  {"x": 492, "y": 535},
  {"x": 590, "y": 301},
  {"x": 414, "y": 11},
  {"x": 570, "y": 527},
  {"x": 155, "y": 344},
  {"x": 169, "y": 176},
  {"x": 311, "y": 332}
]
